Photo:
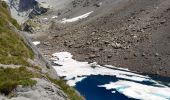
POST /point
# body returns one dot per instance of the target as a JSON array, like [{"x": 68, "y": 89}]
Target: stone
[
  {"x": 106, "y": 42},
  {"x": 125, "y": 58},
  {"x": 94, "y": 49},
  {"x": 162, "y": 21},
  {"x": 116, "y": 45},
  {"x": 135, "y": 55},
  {"x": 156, "y": 54},
  {"x": 28, "y": 28},
  {"x": 92, "y": 56},
  {"x": 39, "y": 8},
  {"x": 43, "y": 90},
  {"x": 109, "y": 56},
  {"x": 143, "y": 54},
  {"x": 47, "y": 43}
]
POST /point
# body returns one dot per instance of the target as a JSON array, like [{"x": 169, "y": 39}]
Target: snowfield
[
  {"x": 74, "y": 71},
  {"x": 76, "y": 18}
]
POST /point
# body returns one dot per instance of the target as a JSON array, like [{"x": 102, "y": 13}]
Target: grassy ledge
[
  {"x": 10, "y": 78},
  {"x": 14, "y": 51},
  {"x": 12, "y": 48},
  {"x": 72, "y": 94}
]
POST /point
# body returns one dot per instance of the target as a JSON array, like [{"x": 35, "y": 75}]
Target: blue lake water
[{"x": 90, "y": 90}]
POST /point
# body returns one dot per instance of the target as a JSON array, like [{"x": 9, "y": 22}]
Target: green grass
[
  {"x": 72, "y": 94},
  {"x": 10, "y": 78},
  {"x": 12, "y": 49}
]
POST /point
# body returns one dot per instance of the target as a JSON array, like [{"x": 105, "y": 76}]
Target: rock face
[
  {"x": 25, "y": 5},
  {"x": 39, "y": 8},
  {"x": 44, "y": 90},
  {"x": 21, "y": 10}
]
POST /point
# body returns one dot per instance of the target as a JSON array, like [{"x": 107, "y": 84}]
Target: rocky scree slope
[{"x": 126, "y": 33}]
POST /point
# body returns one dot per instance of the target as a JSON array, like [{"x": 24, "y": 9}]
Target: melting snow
[
  {"x": 36, "y": 42},
  {"x": 45, "y": 18},
  {"x": 74, "y": 71},
  {"x": 70, "y": 68},
  {"x": 76, "y": 18},
  {"x": 54, "y": 17}
]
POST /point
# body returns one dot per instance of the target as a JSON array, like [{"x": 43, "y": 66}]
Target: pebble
[
  {"x": 156, "y": 54},
  {"x": 162, "y": 21},
  {"x": 109, "y": 56},
  {"x": 116, "y": 45},
  {"x": 92, "y": 56},
  {"x": 143, "y": 54}
]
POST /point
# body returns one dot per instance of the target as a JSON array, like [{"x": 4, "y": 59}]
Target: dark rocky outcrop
[{"x": 25, "y": 5}]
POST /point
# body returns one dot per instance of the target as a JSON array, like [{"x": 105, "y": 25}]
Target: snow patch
[
  {"x": 72, "y": 69},
  {"x": 36, "y": 42},
  {"x": 54, "y": 17},
  {"x": 64, "y": 20},
  {"x": 45, "y": 18}
]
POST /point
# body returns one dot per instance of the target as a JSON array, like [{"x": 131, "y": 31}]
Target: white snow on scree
[
  {"x": 76, "y": 18},
  {"x": 75, "y": 71},
  {"x": 36, "y": 42}
]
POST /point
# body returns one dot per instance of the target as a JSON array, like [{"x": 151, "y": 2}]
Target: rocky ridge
[{"x": 43, "y": 90}]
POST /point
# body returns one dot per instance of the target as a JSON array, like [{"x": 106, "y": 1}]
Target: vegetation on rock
[
  {"x": 72, "y": 94},
  {"x": 12, "y": 48},
  {"x": 10, "y": 78},
  {"x": 14, "y": 51}
]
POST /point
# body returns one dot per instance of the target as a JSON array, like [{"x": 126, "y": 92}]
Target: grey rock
[
  {"x": 43, "y": 90},
  {"x": 162, "y": 21},
  {"x": 116, "y": 45},
  {"x": 156, "y": 54},
  {"x": 92, "y": 56},
  {"x": 109, "y": 56}
]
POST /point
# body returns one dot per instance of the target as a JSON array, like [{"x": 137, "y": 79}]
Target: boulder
[{"x": 39, "y": 9}]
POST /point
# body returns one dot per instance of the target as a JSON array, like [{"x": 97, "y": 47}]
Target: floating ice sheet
[{"x": 139, "y": 91}]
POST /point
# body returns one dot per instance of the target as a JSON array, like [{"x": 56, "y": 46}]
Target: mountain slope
[
  {"x": 124, "y": 33},
  {"x": 21, "y": 75},
  {"x": 13, "y": 50}
]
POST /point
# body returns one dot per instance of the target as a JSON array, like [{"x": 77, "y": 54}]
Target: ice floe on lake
[
  {"x": 139, "y": 91},
  {"x": 76, "y": 18},
  {"x": 129, "y": 83}
]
